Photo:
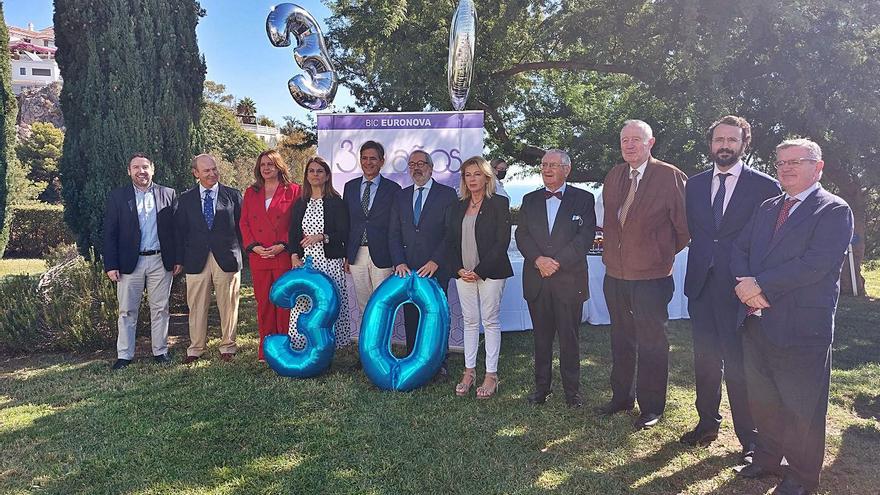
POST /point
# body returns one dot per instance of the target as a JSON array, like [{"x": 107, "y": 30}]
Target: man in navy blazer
[
  {"x": 417, "y": 234},
  {"x": 720, "y": 201},
  {"x": 139, "y": 253},
  {"x": 209, "y": 250},
  {"x": 368, "y": 199},
  {"x": 787, "y": 261}
]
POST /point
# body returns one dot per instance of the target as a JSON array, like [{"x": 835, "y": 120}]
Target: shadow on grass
[{"x": 71, "y": 426}]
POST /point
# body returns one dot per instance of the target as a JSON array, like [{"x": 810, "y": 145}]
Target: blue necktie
[
  {"x": 718, "y": 201},
  {"x": 417, "y": 209},
  {"x": 208, "y": 209}
]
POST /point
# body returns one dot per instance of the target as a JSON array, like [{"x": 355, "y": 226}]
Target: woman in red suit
[{"x": 265, "y": 224}]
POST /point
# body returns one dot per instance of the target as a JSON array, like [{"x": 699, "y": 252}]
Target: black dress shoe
[
  {"x": 120, "y": 363},
  {"x": 699, "y": 437},
  {"x": 790, "y": 487},
  {"x": 754, "y": 471},
  {"x": 646, "y": 421},
  {"x": 615, "y": 407},
  {"x": 538, "y": 398},
  {"x": 162, "y": 358}
]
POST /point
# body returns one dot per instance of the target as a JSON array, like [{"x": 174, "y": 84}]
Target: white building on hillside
[
  {"x": 33, "y": 57},
  {"x": 269, "y": 135}
]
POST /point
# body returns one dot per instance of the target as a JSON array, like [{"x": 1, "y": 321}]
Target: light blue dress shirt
[{"x": 146, "y": 210}]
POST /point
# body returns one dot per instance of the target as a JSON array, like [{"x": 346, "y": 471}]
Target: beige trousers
[
  {"x": 367, "y": 276},
  {"x": 198, "y": 297}
]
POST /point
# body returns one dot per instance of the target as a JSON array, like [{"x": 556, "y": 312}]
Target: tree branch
[{"x": 569, "y": 65}]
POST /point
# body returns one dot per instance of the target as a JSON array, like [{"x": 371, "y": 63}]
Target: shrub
[
  {"x": 35, "y": 229},
  {"x": 79, "y": 305},
  {"x": 20, "y": 308}
]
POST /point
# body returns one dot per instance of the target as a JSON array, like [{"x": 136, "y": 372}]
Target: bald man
[{"x": 209, "y": 251}]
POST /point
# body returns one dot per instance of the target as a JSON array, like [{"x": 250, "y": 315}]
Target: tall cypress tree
[
  {"x": 133, "y": 81},
  {"x": 9, "y": 109}
]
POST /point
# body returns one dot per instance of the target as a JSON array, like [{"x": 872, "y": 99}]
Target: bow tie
[{"x": 548, "y": 194}]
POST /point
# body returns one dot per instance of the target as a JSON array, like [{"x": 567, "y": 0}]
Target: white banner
[{"x": 449, "y": 137}]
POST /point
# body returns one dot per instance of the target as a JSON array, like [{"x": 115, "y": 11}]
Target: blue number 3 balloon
[
  {"x": 316, "y": 325},
  {"x": 384, "y": 369}
]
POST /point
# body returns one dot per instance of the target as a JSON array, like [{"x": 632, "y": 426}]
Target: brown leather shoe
[
  {"x": 227, "y": 356},
  {"x": 190, "y": 359}
]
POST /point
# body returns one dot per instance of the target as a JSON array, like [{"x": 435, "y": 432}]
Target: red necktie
[
  {"x": 787, "y": 205},
  {"x": 783, "y": 213}
]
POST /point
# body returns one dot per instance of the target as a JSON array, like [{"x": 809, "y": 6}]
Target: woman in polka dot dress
[{"x": 318, "y": 228}]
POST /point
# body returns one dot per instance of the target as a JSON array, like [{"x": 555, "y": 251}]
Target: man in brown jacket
[{"x": 645, "y": 226}]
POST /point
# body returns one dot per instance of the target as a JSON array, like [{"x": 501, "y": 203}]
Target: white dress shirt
[
  {"x": 802, "y": 196},
  {"x": 553, "y": 207},
  {"x": 729, "y": 184}
]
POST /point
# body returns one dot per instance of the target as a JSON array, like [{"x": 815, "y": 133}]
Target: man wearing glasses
[
  {"x": 556, "y": 229},
  {"x": 787, "y": 261},
  {"x": 645, "y": 226},
  {"x": 417, "y": 235},
  {"x": 720, "y": 201}
]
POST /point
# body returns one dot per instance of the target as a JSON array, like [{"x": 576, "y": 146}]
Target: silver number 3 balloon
[{"x": 317, "y": 89}]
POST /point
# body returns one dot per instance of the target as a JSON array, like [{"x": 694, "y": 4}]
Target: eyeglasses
[
  {"x": 418, "y": 164},
  {"x": 793, "y": 162},
  {"x": 551, "y": 166}
]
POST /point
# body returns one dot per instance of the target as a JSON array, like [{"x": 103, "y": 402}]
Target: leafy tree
[
  {"x": 246, "y": 106},
  {"x": 220, "y": 134},
  {"x": 8, "y": 112},
  {"x": 133, "y": 81},
  {"x": 566, "y": 74},
  {"x": 40, "y": 154},
  {"x": 216, "y": 93}
]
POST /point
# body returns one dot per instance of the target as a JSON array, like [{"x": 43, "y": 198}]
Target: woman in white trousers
[{"x": 479, "y": 233}]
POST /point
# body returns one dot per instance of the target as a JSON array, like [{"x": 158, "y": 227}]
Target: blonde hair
[{"x": 486, "y": 170}]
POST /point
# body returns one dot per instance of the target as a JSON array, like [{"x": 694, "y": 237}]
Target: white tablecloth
[{"x": 515, "y": 311}]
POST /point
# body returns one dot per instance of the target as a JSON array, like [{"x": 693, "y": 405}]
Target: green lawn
[
  {"x": 21, "y": 266},
  {"x": 68, "y": 425}
]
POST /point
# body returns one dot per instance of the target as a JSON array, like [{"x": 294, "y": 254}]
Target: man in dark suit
[
  {"x": 209, "y": 250},
  {"x": 719, "y": 203},
  {"x": 645, "y": 226},
  {"x": 368, "y": 199},
  {"x": 787, "y": 261},
  {"x": 138, "y": 253},
  {"x": 556, "y": 228},
  {"x": 417, "y": 234}
]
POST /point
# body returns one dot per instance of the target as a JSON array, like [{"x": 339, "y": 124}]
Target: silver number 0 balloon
[
  {"x": 316, "y": 90},
  {"x": 460, "y": 67}
]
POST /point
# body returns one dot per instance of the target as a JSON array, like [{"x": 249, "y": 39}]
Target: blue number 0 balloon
[
  {"x": 384, "y": 369},
  {"x": 316, "y": 325}
]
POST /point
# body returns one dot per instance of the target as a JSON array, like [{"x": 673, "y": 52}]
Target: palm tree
[{"x": 246, "y": 106}]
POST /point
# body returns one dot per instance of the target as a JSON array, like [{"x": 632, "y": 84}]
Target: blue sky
[{"x": 232, "y": 36}]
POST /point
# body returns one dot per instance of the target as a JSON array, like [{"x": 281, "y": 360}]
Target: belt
[
  {"x": 150, "y": 253},
  {"x": 364, "y": 244}
]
